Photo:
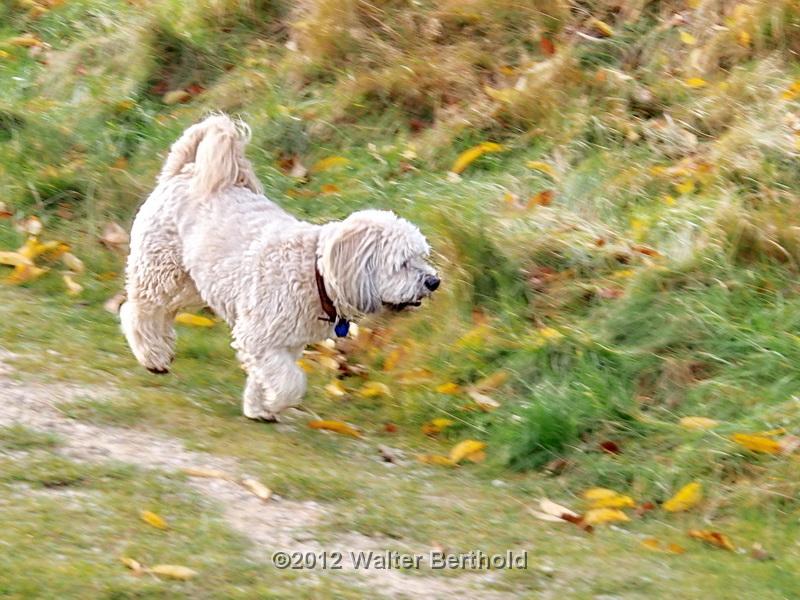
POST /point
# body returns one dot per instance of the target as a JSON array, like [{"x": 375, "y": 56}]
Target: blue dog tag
[{"x": 342, "y": 327}]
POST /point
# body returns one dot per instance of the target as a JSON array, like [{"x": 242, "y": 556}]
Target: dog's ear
[{"x": 348, "y": 258}]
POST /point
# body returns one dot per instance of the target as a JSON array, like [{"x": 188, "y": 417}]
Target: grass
[{"x": 659, "y": 283}]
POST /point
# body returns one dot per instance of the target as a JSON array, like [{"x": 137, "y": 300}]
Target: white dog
[{"x": 207, "y": 235}]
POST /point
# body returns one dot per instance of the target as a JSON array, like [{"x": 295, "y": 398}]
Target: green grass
[{"x": 660, "y": 282}]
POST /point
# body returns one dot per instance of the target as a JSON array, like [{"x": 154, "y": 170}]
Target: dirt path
[{"x": 279, "y": 524}]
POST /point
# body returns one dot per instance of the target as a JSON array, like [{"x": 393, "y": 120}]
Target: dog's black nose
[{"x": 432, "y": 282}]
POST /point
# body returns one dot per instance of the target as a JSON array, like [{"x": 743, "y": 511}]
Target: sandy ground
[{"x": 277, "y": 524}]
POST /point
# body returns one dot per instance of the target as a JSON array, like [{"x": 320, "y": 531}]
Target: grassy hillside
[{"x": 627, "y": 256}]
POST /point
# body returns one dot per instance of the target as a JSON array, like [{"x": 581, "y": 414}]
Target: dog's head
[{"x": 374, "y": 260}]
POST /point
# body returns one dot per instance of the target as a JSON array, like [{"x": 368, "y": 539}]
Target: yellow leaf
[
  {"x": 448, "y": 388},
  {"x": 792, "y": 92},
  {"x": 491, "y": 382},
  {"x": 257, "y": 488},
  {"x": 720, "y": 540},
  {"x": 153, "y": 519},
  {"x": 698, "y": 423},
  {"x": 336, "y": 389},
  {"x": 173, "y": 572},
  {"x": 393, "y": 359},
  {"x": 501, "y": 95},
  {"x": 695, "y": 82},
  {"x": 550, "y": 333},
  {"x": 25, "y": 41},
  {"x": 133, "y": 565},
  {"x": 464, "y": 449},
  {"x": 73, "y": 288},
  {"x": 414, "y": 376},
  {"x": 467, "y": 157},
  {"x": 436, "y": 426},
  {"x": 474, "y": 338},
  {"x": 176, "y": 97},
  {"x": 202, "y": 472},
  {"x": 305, "y": 365},
  {"x": 193, "y": 320},
  {"x": 605, "y": 498},
  {"x": 658, "y": 546},
  {"x": 328, "y": 163},
  {"x": 328, "y": 362},
  {"x": 329, "y": 188},
  {"x": 374, "y": 389},
  {"x": 687, "y": 497},
  {"x": 744, "y": 39},
  {"x": 4, "y": 54},
  {"x": 24, "y": 274},
  {"x": 688, "y": 39},
  {"x": 601, "y": 27},
  {"x": 599, "y": 516},
  {"x": 543, "y": 167},
  {"x": 757, "y": 443},
  {"x": 436, "y": 459},
  {"x": 33, "y": 248},
  {"x": 336, "y": 426},
  {"x": 685, "y": 187}
]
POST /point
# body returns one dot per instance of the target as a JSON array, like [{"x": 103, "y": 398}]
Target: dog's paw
[
  {"x": 265, "y": 419},
  {"x": 158, "y": 371}
]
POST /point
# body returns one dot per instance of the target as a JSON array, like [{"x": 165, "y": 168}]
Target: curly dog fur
[{"x": 207, "y": 235}]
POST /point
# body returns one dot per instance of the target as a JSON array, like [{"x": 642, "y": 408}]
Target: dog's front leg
[{"x": 274, "y": 383}]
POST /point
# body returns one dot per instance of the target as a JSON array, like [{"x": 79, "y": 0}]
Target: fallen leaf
[
  {"x": 73, "y": 288},
  {"x": 543, "y": 198},
  {"x": 335, "y": 426},
  {"x": 203, "y": 472},
  {"x": 646, "y": 250},
  {"x": 547, "y": 46},
  {"x": 260, "y": 491},
  {"x": 720, "y": 540},
  {"x": 393, "y": 359},
  {"x": 112, "y": 304},
  {"x": 329, "y": 163},
  {"x": 695, "y": 82},
  {"x": 415, "y": 376},
  {"x": 551, "y": 509},
  {"x": 469, "y": 156},
  {"x": 758, "y": 552},
  {"x": 374, "y": 389},
  {"x": 153, "y": 519},
  {"x": 792, "y": 92},
  {"x": 658, "y": 546},
  {"x": 25, "y": 41},
  {"x": 601, "y": 27},
  {"x": 133, "y": 565},
  {"x": 173, "y": 572},
  {"x": 390, "y": 427},
  {"x": 485, "y": 403},
  {"x": 599, "y": 516},
  {"x": 757, "y": 443},
  {"x": 176, "y": 97},
  {"x": 329, "y": 189},
  {"x": 605, "y": 498},
  {"x": 544, "y": 167},
  {"x": 436, "y": 426},
  {"x": 113, "y": 235},
  {"x": 698, "y": 423},
  {"x": 336, "y": 389},
  {"x": 464, "y": 449},
  {"x": 685, "y": 187},
  {"x": 448, "y": 388},
  {"x": 436, "y": 459},
  {"x": 687, "y": 497},
  {"x": 24, "y": 274},
  {"x": 72, "y": 262},
  {"x": 644, "y": 508},
  {"x": 491, "y": 382},
  {"x": 610, "y": 447},
  {"x": 194, "y": 320},
  {"x": 688, "y": 39},
  {"x": 744, "y": 39},
  {"x": 14, "y": 259}
]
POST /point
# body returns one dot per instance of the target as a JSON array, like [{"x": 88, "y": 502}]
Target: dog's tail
[{"x": 212, "y": 153}]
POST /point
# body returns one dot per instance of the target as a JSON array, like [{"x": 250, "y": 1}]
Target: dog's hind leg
[
  {"x": 274, "y": 383},
  {"x": 150, "y": 334}
]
